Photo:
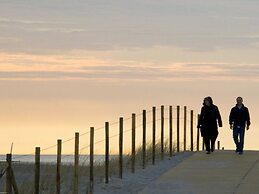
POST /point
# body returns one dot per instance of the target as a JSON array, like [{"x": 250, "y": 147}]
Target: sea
[{"x": 65, "y": 159}]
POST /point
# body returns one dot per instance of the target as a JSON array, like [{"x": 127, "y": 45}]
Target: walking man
[{"x": 239, "y": 119}]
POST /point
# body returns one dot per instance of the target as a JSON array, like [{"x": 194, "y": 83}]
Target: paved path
[{"x": 222, "y": 172}]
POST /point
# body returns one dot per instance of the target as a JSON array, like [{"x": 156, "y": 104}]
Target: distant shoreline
[{"x": 51, "y": 159}]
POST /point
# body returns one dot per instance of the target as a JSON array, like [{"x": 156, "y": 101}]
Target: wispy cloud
[
  {"x": 106, "y": 24},
  {"x": 55, "y": 67},
  {"x": 24, "y": 21},
  {"x": 61, "y": 30}
]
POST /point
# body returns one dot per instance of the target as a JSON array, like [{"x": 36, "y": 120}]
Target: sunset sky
[{"x": 68, "y": 65}]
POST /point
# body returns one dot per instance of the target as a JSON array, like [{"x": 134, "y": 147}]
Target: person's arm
[
  {"x": 219, "y": 118},
  {"x": 248, "y": 122},
  {"x": 200, "y": 119},
  {"x": 231, "y": 118}
]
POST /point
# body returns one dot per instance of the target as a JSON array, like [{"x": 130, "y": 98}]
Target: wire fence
[{"x": 164, "y": 130}]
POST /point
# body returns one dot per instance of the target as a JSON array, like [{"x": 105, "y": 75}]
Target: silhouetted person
[
  {"x": 208, "y": 123},
  {"x": 239, "y": 119}
]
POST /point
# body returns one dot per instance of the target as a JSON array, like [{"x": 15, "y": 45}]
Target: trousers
[
  {"x": 209, "y": 140},
  {"x": 239, "y": 135}
]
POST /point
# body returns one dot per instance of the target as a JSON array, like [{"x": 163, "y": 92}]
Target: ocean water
[{"x": 65, "y": 159}]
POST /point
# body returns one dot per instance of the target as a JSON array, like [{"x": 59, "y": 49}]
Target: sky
[{"x": 68, "y": 65}]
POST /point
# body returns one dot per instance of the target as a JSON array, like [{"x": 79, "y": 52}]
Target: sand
[{"x": 134, "y": 183}]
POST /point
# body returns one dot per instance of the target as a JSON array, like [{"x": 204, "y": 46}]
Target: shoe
[
  {"x": 240, "y": 153},
  {"x": 237, "y": 150},
  {"x": 208, "y": 152}
]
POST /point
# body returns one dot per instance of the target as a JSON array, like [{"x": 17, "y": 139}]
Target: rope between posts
[
  {"x": 97, "y": 129},
  {"x": 116, "y": 135},
  {"x": 72, "y": 138},
  {"x": 125, "y": 131}
]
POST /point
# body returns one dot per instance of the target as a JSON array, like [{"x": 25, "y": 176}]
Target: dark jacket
[
  {"x": 239, "y": 117},
  {"x": 208, "y": 120}
]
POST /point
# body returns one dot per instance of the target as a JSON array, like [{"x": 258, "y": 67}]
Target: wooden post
[
  {"x": 144, "y": 139},
  {"x": 37, "y": 171},
  {"x": 11, "y": 184},
  {"x": 76, "y": 165},
  {"x": 218, "y": 145},
  {"x": 171, "y": 130},
  {"x": 107, "y": 151},
  {"x": 59, "y": 149},
  {"x": 184, "y": 128},
  {"x": 91, "y": 185},
  {"x": 133, "y": 149},
  {"x": 15, "y": 187},
  {"x": 198, "y": 134},
  {"x": 162, "y": 131},
  {"x": 120, "y": 147},
  {"x": 154, "y": 136},
  {"x": 178, "y": 128},
  {"x": 191, "y": 126},
  {"x": 9, "y": 188}
]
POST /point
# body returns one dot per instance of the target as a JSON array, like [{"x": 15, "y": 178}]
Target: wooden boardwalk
[{"x": 223, "y": 172}]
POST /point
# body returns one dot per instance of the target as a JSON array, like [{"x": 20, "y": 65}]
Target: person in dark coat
[
  {"x": 208, "y": 123},
  {"x": 239, "y": 119}
]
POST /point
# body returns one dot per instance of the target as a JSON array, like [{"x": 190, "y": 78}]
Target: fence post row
[
  {"x": 59, "y": 149},
  {"x": 11, "y": 182},
  {"x": 178, "y": 128},
  {"x": 171, "y": 130},
  {"x": 162, "y": 131},
  {"x": 120, "y": 147},
  {"x": 144, "y": 139},
  {"x": 107, "y": 151},
  {"x": 76, "y": 164},
  {"x": 154, "y": 136},
  {"x": 91, "y": 181},
  {"x": 133, "y": 149},
  {"x": 37, "y": 171}
]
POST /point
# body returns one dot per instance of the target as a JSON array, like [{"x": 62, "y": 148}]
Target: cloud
[
  {"x": 57, "y": 67},
  {"x": 61, "y": 30},
  {"x": 104, "y": 25},
  {"x": 30, "y": 22}
]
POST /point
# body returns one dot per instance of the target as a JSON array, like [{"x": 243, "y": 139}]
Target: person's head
[
  {"x": 208, "y": 101},
  {"x": 239, "y": 101}
]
